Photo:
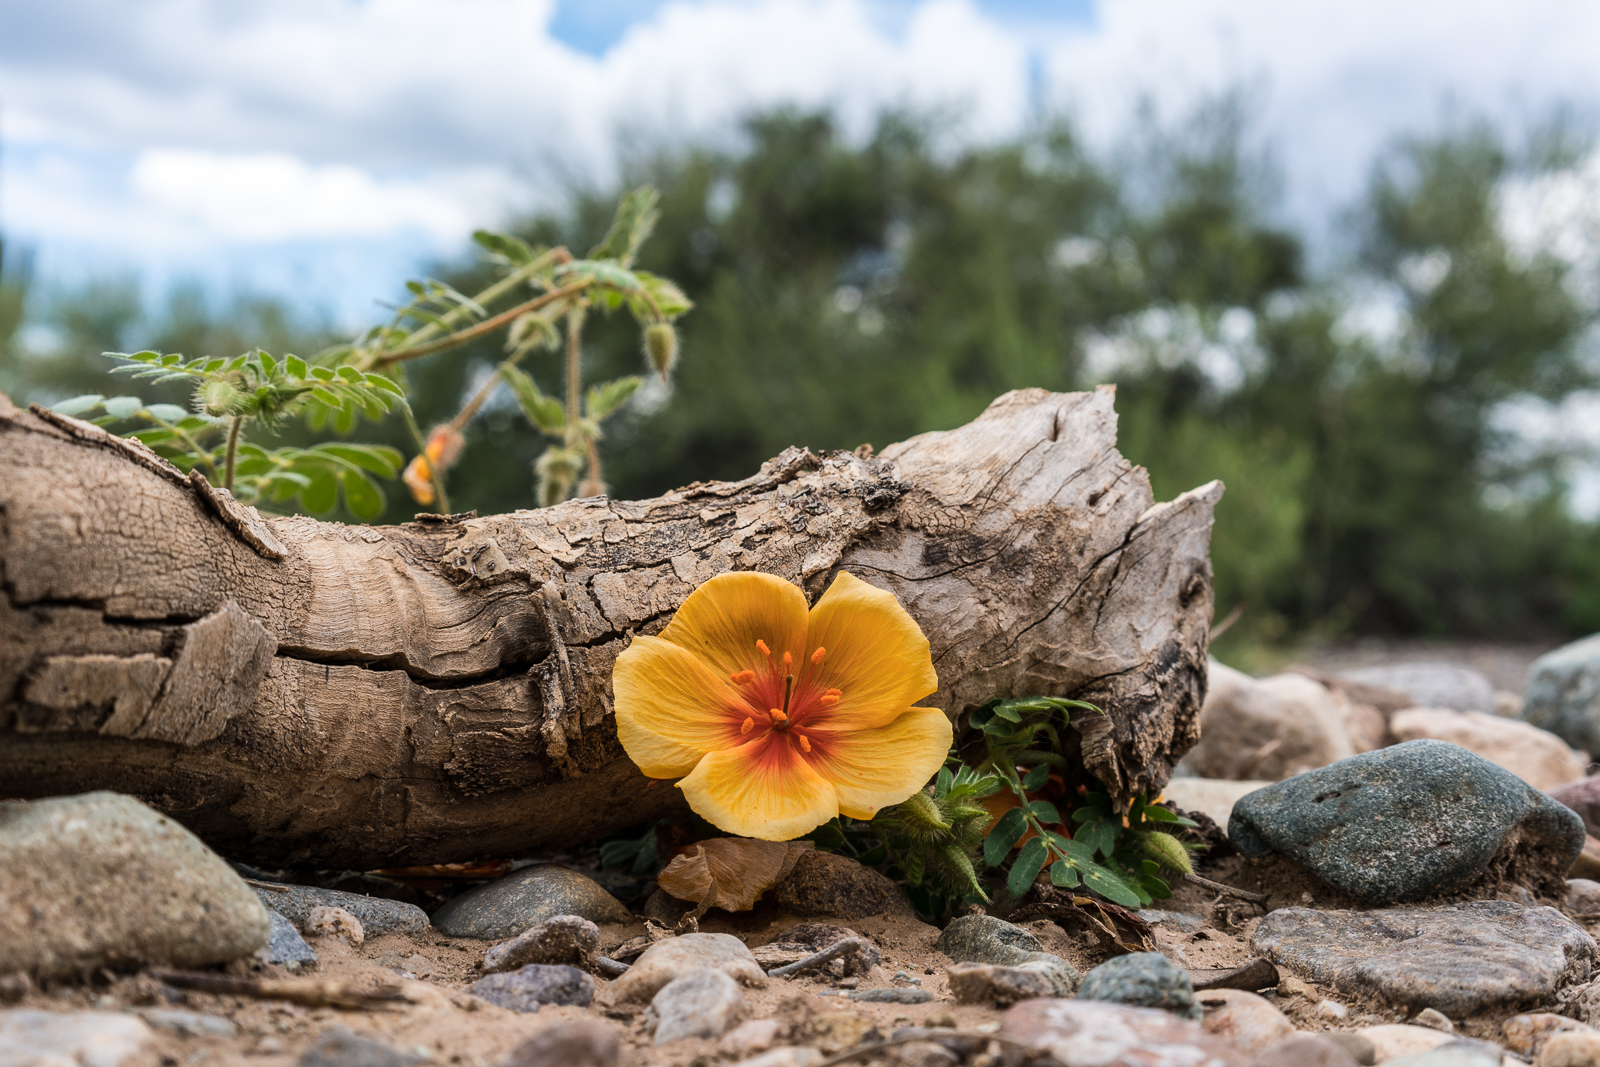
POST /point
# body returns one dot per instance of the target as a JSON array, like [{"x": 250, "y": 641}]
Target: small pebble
[
  {"x": 924, "y": 1054},
  {"x": 754, "y": 1035},
  {"x": 335, "y": 922},
  {"x": 785, "y": 1057},
  {"x": 569, "y": 1043},
  {"x": 569, "y": 939},
  {"x": 1306, "y": 1050},
  {"x": 700, "y": 1003},
  {"x": 1143, "y": 980},
  {"x": 995, "y": 986},
  {"x": 341, "y": 1047},
  {"x": 1331, "y": 1009},
  {"x": 1244, "y": 1020},
  {"x": 1526, "y": 1034},
  {"x": 890, "y": 996},
  {"x": 1573, "y": 1048},
  {"x": 189, "y": 1023},
  {"x": 1435, "y": 1019},
  {"x": 902, "y": 978},
  {"x": 1290, "y": 986},
  {"x": 528, "y": 988}
]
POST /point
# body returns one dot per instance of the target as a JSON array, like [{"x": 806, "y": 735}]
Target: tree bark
[{"x": 314, "y": 693}]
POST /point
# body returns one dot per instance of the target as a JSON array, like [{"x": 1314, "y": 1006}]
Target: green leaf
[
  {"x": 668, "y": 298},
  {"x": 1037, "y": 777},
  {"x": 322, "y": 495},
  {"x": 1006, "y": 833},
  {"x": 634, "y": 222},
  {"x": 1108, "y": 885},
  {"x": 166, "y": 412},
  {"x": 1045, "y": 812},
  {"x": 544, "y": 412},
  {"x": 1156, "y": 813},
  {"x": 1063, "y": 874},
  {"x": 78, "y": 404},
  {"x": 294, "y": 367},
  {"x": 943, "y": 783},
  {"x": 1008, "y": 710},
  {"x": 123, "y": 407},
  {"x": 1030, "y": 861},
  {"x": 381, "y": 460},
  {"x": 361, "y": 496},
  {"x": 607, "y": 397}
]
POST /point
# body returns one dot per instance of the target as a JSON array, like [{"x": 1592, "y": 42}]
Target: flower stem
[
  {"x": 592, "y": 484},
  {"x": 460, "y": 337},
  {"x": 232, "y": 452},
  {"x": 441, "y": 501}
]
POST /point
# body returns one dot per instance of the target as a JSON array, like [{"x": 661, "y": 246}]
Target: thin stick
[
  {"x": 1227, "y": 890},
  {"x": 400, "y": 355},
  {"x": 313, "y": 993},
  {"x": 273, "y": 886},
  {"x": 844, "y": 947},
  {"x": 559, "y": 254}
]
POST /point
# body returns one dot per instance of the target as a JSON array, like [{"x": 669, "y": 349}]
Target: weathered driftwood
[{"x": 318, "y": 693}]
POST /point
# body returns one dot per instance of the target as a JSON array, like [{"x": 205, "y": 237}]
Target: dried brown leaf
[{"x": 730, "y": 872}]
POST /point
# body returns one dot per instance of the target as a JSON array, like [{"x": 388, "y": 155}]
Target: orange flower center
[{"x": 779, "y": 701}]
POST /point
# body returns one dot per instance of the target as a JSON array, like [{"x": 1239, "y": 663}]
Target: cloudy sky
[{"x": 331, "y": 146}]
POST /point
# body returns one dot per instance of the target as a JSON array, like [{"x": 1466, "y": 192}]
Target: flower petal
[
  {"x": 672, "y": 707},
  {"x": 875, "y": 654},
  {"x": 724, "y": 618},
  {"x": 764, "y": 789},
  {"x": 871, "y": 769}
]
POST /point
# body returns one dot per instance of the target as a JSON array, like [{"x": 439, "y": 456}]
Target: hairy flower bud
[{"x": 661, "y": 347}]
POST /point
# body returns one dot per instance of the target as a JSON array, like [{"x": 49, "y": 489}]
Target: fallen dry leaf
[{"x": 729, "y": 872}]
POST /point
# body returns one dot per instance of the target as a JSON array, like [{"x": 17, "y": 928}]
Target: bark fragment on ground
[{"x": 440, "y": 690}]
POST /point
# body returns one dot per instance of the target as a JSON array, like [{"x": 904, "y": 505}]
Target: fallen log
[{"x": 314, "y": 693}]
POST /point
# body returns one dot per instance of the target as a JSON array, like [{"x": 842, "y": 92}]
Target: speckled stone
[
  {"x": 570, "y": 1043},
  {"x": 559, "y": 939},
  {"x": 996, "y": 986},
  {"x": 1143, "y": 980},
  {"x": 1114, "y": 1035},
  {"x": 342, "y": 1047},
  {"x": 284, "y": 945},
  {"x": 101, "y": 880},
  {"x": 49, "y": 1038},
  {"x": 527, "y": 988},
  {"x": 1406, "y": 822},
  {"x": 1451, "y": 1054},
  {"x": 1564, "y": 693},
  {"x": 376, "y": 915},
  {"x": 1460, "y": 959},
  {"x": 508, "y": 906},
  {"x": 986, "y": 939}
]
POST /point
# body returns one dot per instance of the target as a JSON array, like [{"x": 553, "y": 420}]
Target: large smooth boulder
[
  {"x": 1407, "y": 822},
  {"x": 1431, "y": 685},
  {"x": 1269, "y": 728},
  {"x": 101, "y": 880},
  {"x": 1564, "y": 693},
  {"x": 1537, "y": 756}
]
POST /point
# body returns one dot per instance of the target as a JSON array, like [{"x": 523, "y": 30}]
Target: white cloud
[{"x": 274, "y": 197}]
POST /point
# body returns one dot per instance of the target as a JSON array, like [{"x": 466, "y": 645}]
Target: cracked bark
[{"x": 316, "y": 693}]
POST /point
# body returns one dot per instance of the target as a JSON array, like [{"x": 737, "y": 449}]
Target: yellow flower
[
  {"x": 777, "y": 718},
  {"x": 443, "y": 446}
]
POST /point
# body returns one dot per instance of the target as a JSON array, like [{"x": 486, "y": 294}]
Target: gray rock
[
  {"x": 1143, "y": 980},
  {"x": 1564, "y": 693},
  {"x": 340, "y": 1047},
  {"x": 377, "y": 915},
  {"x": 1431, "y": 685},
  {"x": 48, "y": 1038},
  {"x": 1460, "y": 959},
  {"x": 1307, "y": 1050},
  {"x": 101, "y": 880},
  {"x": 528, "y": 988},
  {"x": 1186, "y": 924},
  {"x": 1407, "y": 822},
  {"x": 986, "y": 939},
  {"x": 569, "y": 1043},
  {"x": 675, "y": 956},
  {"x": 1113, "y": 1035},
  {"x": 1451, "y": 1054},
  {"x": 560, "y": 939},
  {"x": 284, "y": 945},
  {"x": 996, "y": 986},
  {"x": 698, "y": 1003},
  {"x": 188, "y": 1023},
  {"x": 507, "y": 906}
]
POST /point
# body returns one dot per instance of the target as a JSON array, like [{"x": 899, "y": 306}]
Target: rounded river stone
[
  {"x": 1406, "y": 822},
  {"x": 508, "y": 906},
  {"x": 1142, "y": 980}
]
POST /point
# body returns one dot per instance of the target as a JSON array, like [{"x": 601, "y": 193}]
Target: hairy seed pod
[
  {"x": 1167, "y": 851},
  {"x": 661, "y": 347},
  {"x": 217, "y": 398}
]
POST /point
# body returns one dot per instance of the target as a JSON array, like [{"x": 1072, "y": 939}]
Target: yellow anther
[
  {"x": 761, "y": 646},
  {"x": 831, "y": 697},
  {"x": 805, "y": 745},
  {"x": 788, "y": 662},
  {"x": 749, "y": 724},
  {"x": 777, "y": 716},
  {"x": 742, "y": 677},
  {"x": 816, "y": 657}
]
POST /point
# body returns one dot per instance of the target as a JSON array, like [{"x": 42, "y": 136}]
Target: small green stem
[
  {"x": 441, "y": 501},
  {"x": 232, "y": 453},
  {"x": 1035, "y": 756},
  {"x": 201, "y": 455},
  {"x": 490, "y": 295},
  {"x": 461, "y": 337}
]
